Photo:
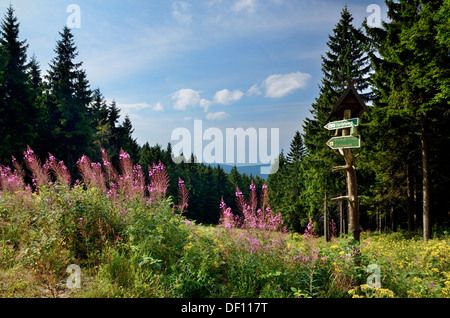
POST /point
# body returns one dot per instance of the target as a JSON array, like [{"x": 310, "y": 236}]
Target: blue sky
[{"x": 229, "y": 63}]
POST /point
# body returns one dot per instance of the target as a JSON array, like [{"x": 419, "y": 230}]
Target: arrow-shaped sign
[
  {"x": 342, "y": 124},
  {"x": 344, "y": 142}
]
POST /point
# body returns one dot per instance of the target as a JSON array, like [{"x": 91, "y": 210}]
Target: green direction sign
[
  {"x": 344, "y": 142},
  {"x": 341, "y": 124}
]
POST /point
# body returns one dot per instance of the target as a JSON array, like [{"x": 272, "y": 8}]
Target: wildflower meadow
[{"x": 130, "y": 239}]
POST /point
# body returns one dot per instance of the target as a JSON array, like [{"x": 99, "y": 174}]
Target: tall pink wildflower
[
  {"x": 333, "y": 228},
  {"x": 159, "y": 181},
  {"x": 111, "y": 173},
  {"x": 138, "y": 182},
  {"x": 40, "y": 174},
  {"x": 253, "y": 217},
  {"x": 310, "y": 231},
  {"x": 11, "y": 181},
  {"x": 91, "y": 173},
  {"x": 227, "y": 219},
  {"x": 183, "y": 196},
  {"x": 59, "y": 169},
  {"x": 126, "y": 176}
]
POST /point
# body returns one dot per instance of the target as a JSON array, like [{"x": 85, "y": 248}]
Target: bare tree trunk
[
  {"x": 426, "y": 180},
  {"x": 352, "y": 191},
  {"x": 325, "y": 219},
  {"x": 410, "y": 207},
  {"x": 417, "y": 201},
  {"x": 391, "y": 216},
  {"x": 379, "y": 220}
]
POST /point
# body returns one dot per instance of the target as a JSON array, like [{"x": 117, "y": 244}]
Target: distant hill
[{"x": 254, "y": 170}]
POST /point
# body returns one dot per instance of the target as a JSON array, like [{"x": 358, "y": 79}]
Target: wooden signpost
[{"x": 349, "y": 107}]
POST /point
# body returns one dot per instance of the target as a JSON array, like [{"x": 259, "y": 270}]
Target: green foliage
[
  {"x": 150, "y": 251},
  {"x": 59, "y": 115},
  {"x": 18, "y": 112},
  {"x": 406, "y": 134}
]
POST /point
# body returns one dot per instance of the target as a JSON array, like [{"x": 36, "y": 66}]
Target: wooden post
[
  {"x": 352, "y": 190},
  {"x": 349, "y": 104}
]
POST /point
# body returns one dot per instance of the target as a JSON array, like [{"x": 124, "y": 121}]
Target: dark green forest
[{"x": 401, "y": 71}]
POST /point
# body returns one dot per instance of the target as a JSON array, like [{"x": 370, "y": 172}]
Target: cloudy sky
[{"x": 229, "y": 63}]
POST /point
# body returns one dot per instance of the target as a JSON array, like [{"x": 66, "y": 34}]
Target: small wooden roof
[{"x": 350, "y": 99}]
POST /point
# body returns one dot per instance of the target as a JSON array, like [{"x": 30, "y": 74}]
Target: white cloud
[
  {"x": 158, "y": 107},
  {"x": 133, "y": 107},
  {"x": 181, "y": 12},
  {"x": 217, "y": 116},
  {"x": 204, "y": 103},
  {"x": 244, "y": 5},
  {"x": 281, "y": 85},
  {"x": 225, "y": 97},
  {"x": 254, "y": 90},
  {"x": 184, "y": 98}
]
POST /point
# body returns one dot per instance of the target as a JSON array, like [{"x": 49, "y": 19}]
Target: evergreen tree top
[
  {"x": 13, "y": 50},
  {"x": 297, "y": 149},
  {"x": 346, "y": 59}
]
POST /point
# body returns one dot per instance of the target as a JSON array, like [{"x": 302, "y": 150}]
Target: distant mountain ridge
[{"x": 254, "y": 170}]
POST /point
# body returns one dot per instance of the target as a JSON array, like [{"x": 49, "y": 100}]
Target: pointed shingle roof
[{"x": 350, "y": 99}]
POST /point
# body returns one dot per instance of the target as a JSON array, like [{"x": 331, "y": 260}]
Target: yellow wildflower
[{"x": 189, "y": 246}]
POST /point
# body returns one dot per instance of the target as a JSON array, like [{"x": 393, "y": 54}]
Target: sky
[{"x": 166, "y": 63}]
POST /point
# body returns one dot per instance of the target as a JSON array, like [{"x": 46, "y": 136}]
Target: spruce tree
[
  {"x": 126, "y": 140},
  {"x": 297, "y": 149},
  {"x": 17, "y": 112},
  {"x": 68, "y": 98},
  {"x": 292, "y": 208},
  {"x": 346, "y": 61},
  {"x": 411, "y": 82}
]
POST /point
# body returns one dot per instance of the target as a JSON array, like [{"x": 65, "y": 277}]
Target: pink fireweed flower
[
  {"x": 123, "y": 155},
  {"x": 183, "y": 196},
  {"x": 82, "y": 160},
  {"x": 159, "y": 181},
  {"x": 310, "y": 232}
]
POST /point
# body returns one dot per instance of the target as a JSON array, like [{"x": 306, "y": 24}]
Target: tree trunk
[
  {"x": 410, "y": 207},
  {"x": 379, "y": 220},
  {"x": 325, "y": 219},
  {"x": 392, "y": 219},
  {"x": 426, "y": 180},
  {"x": 353, "y": 201}
]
